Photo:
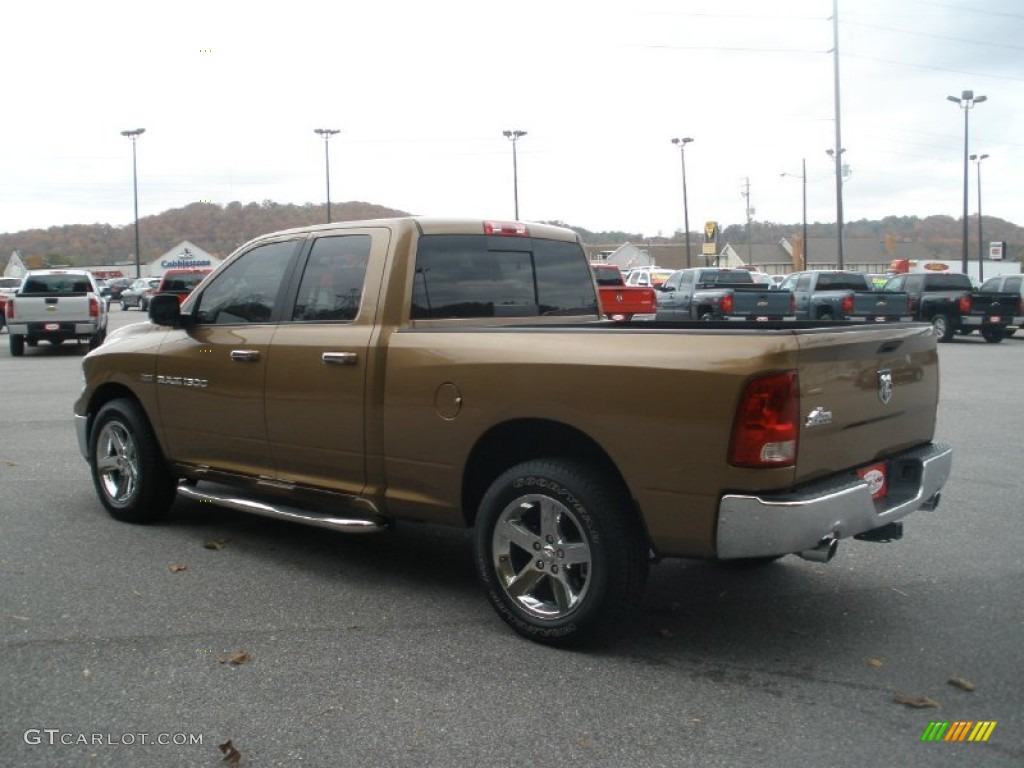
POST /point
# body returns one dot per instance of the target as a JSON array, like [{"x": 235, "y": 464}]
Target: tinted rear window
[
  {"x": 947, "y": 283},
  {"x": 183, "y": 283},
  {"x": 725, "y": 277},
  {"x": 492, "y": 276},
  {"x": 57, "y": 284},
  {"x": 838, "y": 281}
]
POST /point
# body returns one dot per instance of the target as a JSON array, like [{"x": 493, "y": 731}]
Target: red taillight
[
  {"x": 726, "y": 304},
  {"x": 848, "y": 304},
  {"x": 508, "y": 228},
  {"x": 965, "y": 305},
  {"x": 766, "y": 430},
  {"x": 94, "y": 307},
  {"x": 9, "y": 309}
]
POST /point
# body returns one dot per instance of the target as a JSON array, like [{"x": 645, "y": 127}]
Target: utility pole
[
  {"x": 837, "y": 152},
  {"x": 750, "y": 212}
]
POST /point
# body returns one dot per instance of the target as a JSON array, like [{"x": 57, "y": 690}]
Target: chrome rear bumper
[{"x": 838, "y": 507}]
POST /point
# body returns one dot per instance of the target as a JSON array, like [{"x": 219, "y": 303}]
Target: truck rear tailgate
[{"x": 864, "y": 397}]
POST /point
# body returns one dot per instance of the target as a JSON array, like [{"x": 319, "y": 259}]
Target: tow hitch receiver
[{"x": 885, "y": 534}]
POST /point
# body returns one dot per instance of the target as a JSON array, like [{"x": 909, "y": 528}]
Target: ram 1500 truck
[
  {"x": 949, "y": 302},
  {"x": 619, "y": 301},
  {"x": 459, "y": 372},
  {"x": 837, "y": 295},
  {"x": 721, "y": 294},
  {"x": 56, "y": 305}
]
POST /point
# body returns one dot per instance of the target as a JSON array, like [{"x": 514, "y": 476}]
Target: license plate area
[{"x": 877, "y": 479}]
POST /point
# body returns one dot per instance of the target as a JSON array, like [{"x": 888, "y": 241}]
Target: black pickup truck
[
  {"x": 949, "y": 302},
  {"x": 721, "y": 294},
  {"x": 833, "y": 295}
]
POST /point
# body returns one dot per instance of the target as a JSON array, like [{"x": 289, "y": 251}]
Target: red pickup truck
[{"x": 619, "y": 301}]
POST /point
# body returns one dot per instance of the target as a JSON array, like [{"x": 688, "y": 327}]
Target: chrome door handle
[
  {"x": 340, "y": 358},
  {"x": 245, "y": 355}
]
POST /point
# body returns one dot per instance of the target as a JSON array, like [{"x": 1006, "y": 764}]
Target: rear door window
[{"x": 332, "y": 282}]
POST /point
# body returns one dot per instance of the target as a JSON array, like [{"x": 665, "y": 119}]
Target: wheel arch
[
  {"x": 513, "y": 442},
  {"x": 116, "y": 391}
]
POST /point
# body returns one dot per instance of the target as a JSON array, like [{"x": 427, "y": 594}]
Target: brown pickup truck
[{"x": 448, "y": 371}]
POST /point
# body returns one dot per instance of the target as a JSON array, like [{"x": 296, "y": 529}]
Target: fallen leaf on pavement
[
  {"x": 211, "y": 544},
  {"x": 176, "y": 568},
  {"x": 959, "y": 682},
  {"x": 876, "y": 663},
  {"x": 231, "y": 755},
  {"x": 917, "y": 702},
  {"x": 239, "y": 657}
]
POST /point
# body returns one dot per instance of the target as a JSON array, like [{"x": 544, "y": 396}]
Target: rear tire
[
  {"x": 993, "y": 335},
  {"x": 560, "y": 552},
  {"x": 17, "y": 342},
  {"x": 131, "y": 476},
  {"x": 97, "y": 339},
  {"x": 943, "y": 327}
]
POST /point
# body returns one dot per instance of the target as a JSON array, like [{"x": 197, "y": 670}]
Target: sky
[{"x": 229, "y": 94}]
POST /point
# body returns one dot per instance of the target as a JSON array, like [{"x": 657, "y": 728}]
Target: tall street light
[
  {"x": 966, "y": 100},
  {"x": 981, "y": 253},
  {"x": 514, "y": 137},
  {"x": 803, "y": 176},
  {"x": 327, "y": 133},
  {"x": 681, "y": 143},
  {"x": 133, "y": 135}
]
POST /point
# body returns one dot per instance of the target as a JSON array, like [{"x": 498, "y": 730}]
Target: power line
[{"x": 987, "y": 43}]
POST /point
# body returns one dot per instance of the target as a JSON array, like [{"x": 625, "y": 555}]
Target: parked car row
[{"x": 949, "y": 301}]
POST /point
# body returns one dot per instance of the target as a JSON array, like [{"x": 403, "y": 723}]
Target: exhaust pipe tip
[
  {"x": 822, "y": 553},
  {"x": 933, "y": 502}
]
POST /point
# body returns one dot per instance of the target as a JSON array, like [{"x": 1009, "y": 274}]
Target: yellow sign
[
  {"x": 710, "y": 231},
  {"x": 708, "y": 249}
]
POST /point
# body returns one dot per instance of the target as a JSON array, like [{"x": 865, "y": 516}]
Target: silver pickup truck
[{"x": 56, "y": 305}]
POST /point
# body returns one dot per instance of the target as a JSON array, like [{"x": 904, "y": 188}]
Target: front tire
[
  {"x": 560, "y": 552},
  {"x": 128, "y": 469},
  {"x": 943, "y": 327},
  {"x": 17, "y": 342}
]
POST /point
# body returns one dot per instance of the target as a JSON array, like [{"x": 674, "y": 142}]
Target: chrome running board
[{"x": 368, "y": 524}]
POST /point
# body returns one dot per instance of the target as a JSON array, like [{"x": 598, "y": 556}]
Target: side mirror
[{"x": 164, "y": 309}]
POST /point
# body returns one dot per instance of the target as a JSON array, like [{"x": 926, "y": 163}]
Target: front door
[{"x": 210, "y": 375}]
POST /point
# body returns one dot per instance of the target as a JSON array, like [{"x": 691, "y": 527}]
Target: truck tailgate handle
[
  {"x": 340, "y": 358},
  {"x": 245, "y": 355}
]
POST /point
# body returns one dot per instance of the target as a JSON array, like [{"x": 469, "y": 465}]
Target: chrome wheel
[
  {"x": 541, "y": 556},
  {"x": 117, "y": 463}
]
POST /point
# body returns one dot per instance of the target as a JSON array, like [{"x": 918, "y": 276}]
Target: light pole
[
  {"x": 327, "y": 133},
  {"x": 966, "y": 100},
  {"x": 133, "y": 135},
  {"x": 803, "y": 177},
  {"x": 981, "y": 244},
  {"x": 681, "y": 143},
  {"x": 514, "y": 137},
  {"x": 842, "y": 171}
]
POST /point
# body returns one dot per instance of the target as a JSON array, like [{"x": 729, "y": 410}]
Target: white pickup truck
[{"x": 55, "y": 305}]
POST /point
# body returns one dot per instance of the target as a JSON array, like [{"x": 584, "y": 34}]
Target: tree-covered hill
[{"x": 220, "y": 229}]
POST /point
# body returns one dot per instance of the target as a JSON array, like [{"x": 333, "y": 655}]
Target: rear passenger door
[{"x": 322, "y": 361}]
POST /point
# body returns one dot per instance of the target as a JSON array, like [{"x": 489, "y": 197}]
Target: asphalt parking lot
[{"x": 152, "y": 646}]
